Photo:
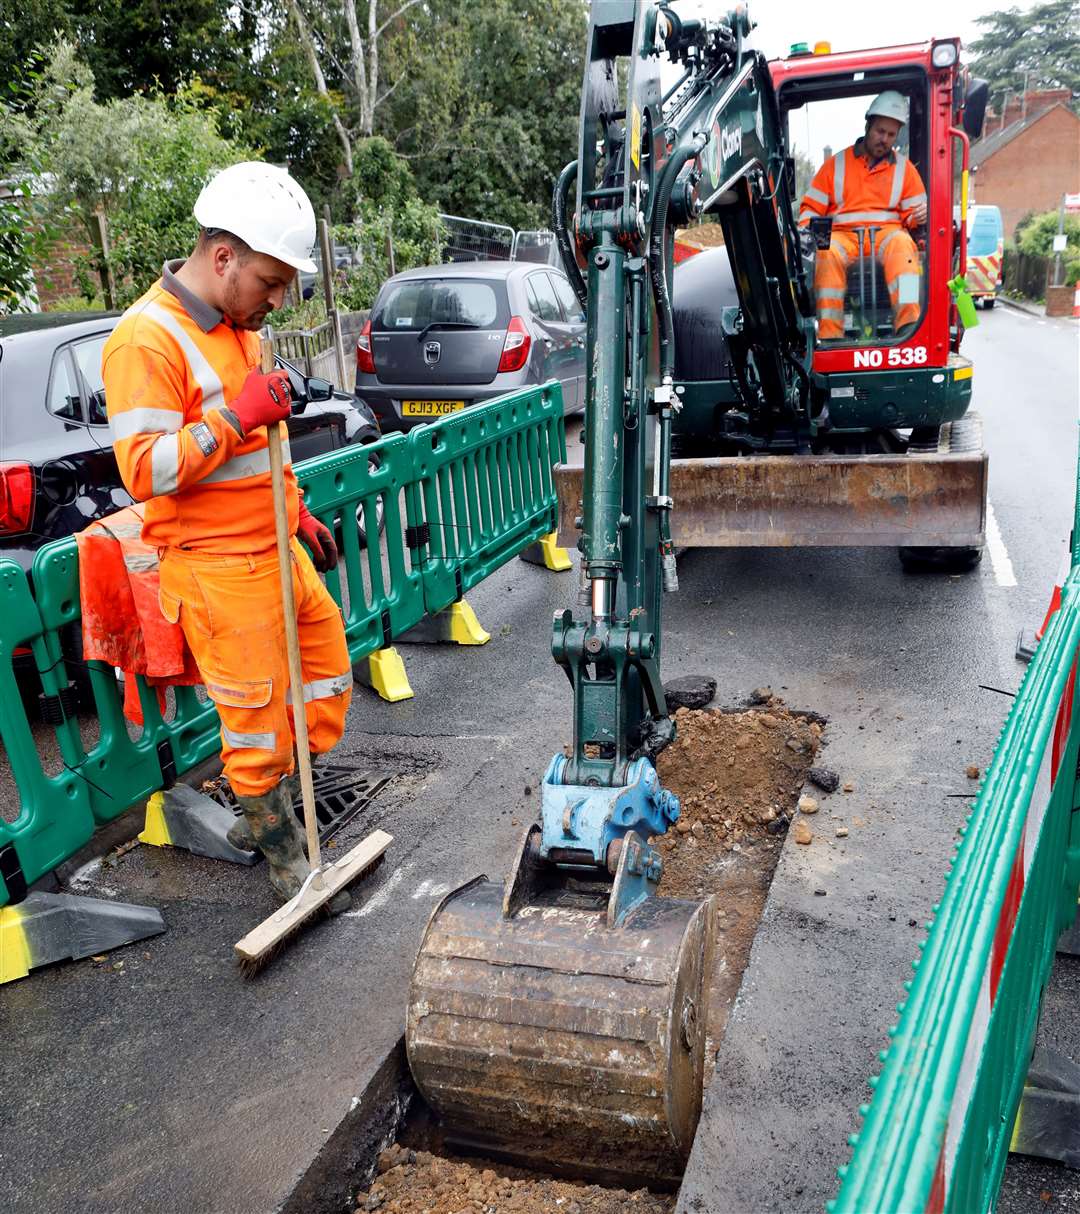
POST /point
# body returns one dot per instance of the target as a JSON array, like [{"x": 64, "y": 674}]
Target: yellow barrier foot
[
  {"x": 546, "y": 552},
  {"x": 44, "y": 928},
  {"x": 456, "y": 625},
  {"x": 155, "y": 831},
  {"x": 464, "y": 626},
  {"x": 384, "y": 672},
  {"x": 181, "y": 817}
]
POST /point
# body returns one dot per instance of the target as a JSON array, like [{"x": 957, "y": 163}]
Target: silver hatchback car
[{"x": 441, "y": 338}]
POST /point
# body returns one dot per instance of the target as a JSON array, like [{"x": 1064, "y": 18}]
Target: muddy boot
[
  {"x": 239, "y": 834},
  {"x": 277, "y": 834}
]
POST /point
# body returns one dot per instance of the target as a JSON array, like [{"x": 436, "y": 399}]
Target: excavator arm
[
  {"x": 650, "y": 161},
  {"x": 561, "y": 1017}
]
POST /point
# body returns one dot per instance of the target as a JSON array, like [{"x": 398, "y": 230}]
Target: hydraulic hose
[
  {"x": 658, "y": 279},
  {"x": 657, "y": 269},
  {"x": 562, "y": 236}
]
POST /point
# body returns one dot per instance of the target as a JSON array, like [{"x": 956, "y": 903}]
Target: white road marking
[
  {"x": 428, "y": 889},
  {"x": 999, "y": 554},
  {"x": 382, "y": 896}
]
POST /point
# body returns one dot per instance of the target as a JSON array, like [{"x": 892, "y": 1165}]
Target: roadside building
[{"x": 1028, "y": 157}]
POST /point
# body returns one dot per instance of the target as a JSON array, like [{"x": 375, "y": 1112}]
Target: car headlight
[{"x": 943, "y": 54}]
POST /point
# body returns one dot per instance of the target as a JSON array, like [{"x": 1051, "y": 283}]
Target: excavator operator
[
  {"x": 869, "y": 186},
  {"x": 188, "y": 409}
]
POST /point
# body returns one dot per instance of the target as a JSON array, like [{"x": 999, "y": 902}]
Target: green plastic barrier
[
  {"x": 383, "y": 597},
  {"x": 119, "y": 770},
  {"x": 936, "y": 1133},
  {"x": 54, "y": 816},
  {"x": 484, "y": 488},
  {"x": 493, "y": 467}
]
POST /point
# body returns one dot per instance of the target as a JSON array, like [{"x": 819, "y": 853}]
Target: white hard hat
[
  {"x": 265, "y": 207},
  {"x": 889, "y": 104}
]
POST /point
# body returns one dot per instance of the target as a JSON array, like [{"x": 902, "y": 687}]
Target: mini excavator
[{"x": 559, "y": 1018}]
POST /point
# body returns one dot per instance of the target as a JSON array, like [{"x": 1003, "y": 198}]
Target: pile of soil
[
  {"x": 738, "y": 776},
  {"x": 418, "y": 1182}
]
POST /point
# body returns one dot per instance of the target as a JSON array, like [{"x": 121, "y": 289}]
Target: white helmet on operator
[
  {"x": 889, "y": 104},
  {"x": 265, "y": 208}
]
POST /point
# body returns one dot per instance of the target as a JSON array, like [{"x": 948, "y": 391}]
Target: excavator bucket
[
  {"x": 547, "y": 1037},
  {"x": 932, "y": 499}
]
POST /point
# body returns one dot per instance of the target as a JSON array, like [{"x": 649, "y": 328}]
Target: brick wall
[
  {"x": 54, "y": 274},
  {"x": 1032, "y": 171}
]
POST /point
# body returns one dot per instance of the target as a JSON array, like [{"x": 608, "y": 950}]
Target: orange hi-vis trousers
[
  {"x": 898, "y": 254},
  {"x": 231, "y": 612}
]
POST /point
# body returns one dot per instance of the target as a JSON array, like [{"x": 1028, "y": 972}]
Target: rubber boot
[
  {"x": 277, "y": 834},
  {"x": 239, "y": 834}
]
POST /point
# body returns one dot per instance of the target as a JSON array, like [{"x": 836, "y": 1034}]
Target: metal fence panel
[{"x": 475, "y": 239}]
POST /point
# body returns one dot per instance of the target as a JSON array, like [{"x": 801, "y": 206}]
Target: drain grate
[{"x": 341, "y": 793}]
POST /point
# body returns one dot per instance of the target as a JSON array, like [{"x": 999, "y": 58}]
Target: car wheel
[
  {"x": 989, "y": 303},
  {"x": 361, "y": 524}
]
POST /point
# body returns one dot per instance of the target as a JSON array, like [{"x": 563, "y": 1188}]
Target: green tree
[
  {"x": 386, "y": 206},
  {"x": 486, "y": 111},
  {"x": 1037, "y": 238},
  {"x": 140, "y": 161},
  {"x": 1036, "y": 48}
]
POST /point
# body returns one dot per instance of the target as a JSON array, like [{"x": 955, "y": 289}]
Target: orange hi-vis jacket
[
  {"x": 858, "y": 194},
  {"x": 171, "y": 365}
]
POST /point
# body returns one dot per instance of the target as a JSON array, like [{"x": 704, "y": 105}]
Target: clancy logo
[{"x": 730, "y": 142}]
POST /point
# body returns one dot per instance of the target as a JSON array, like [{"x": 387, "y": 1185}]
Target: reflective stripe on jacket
[
  {"x": 858, "y": 194},
  {"x": 166, "y": 381}
]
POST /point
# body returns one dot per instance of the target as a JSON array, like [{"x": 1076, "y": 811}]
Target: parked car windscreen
[{"x": 415, "y": 304}]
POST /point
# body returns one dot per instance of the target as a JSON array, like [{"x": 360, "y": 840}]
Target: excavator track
[{"x": 557, "y": 1041}]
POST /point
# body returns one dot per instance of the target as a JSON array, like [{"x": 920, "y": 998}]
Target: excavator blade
[
  {"x": 549, "y": 1038},
  {"x": 790, "y": 501}
]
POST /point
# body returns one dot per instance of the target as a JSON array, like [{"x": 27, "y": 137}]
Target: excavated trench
[{"x": 740, "y": 774}]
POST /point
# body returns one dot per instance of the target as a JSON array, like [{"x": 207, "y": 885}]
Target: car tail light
[
  {"x": 515, "y": 351},
  {"x": 16, "y": 498},
  {"x": 364, "y": 360}
]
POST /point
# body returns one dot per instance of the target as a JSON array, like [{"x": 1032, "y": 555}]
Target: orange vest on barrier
[
  {"x": 122, "y": 623},
  {"x": 858, "y": 194},
  {"x": 169, "y": 368}
]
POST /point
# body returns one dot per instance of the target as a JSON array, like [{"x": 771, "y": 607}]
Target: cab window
[{"x": 870, "y": 284}]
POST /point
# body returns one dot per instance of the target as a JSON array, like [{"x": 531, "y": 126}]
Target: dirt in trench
[
  {"x": 418, "y": 1182},
  {"x": 739, "y": 776}
]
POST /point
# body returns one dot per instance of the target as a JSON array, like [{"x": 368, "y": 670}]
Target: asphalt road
[{"x": 168, "y": 1085}]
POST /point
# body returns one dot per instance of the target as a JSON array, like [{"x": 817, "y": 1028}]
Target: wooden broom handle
[{"x": 292, "y": 639}]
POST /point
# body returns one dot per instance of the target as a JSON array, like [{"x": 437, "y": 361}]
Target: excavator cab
[{"x": 821, "y": 116}]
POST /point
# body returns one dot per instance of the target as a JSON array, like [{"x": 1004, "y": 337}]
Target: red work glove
[
  {"x": 263, "y": 399},
  {"x": 319, "y": 539}
]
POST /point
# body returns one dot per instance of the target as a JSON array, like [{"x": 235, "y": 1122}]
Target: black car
[
  {"x": 57, "y": 468},
  {"x": 441, "y": 338}
]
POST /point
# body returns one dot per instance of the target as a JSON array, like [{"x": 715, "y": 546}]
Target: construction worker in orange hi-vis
[
  {"x": 869, "y": 186},
  {"x": 188, "y": 409}
]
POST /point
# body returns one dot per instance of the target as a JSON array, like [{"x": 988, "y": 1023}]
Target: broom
[{"x": 262, "y": 943}]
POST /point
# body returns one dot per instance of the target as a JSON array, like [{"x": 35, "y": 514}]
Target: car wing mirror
[{"x": 319, "y": 390}]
